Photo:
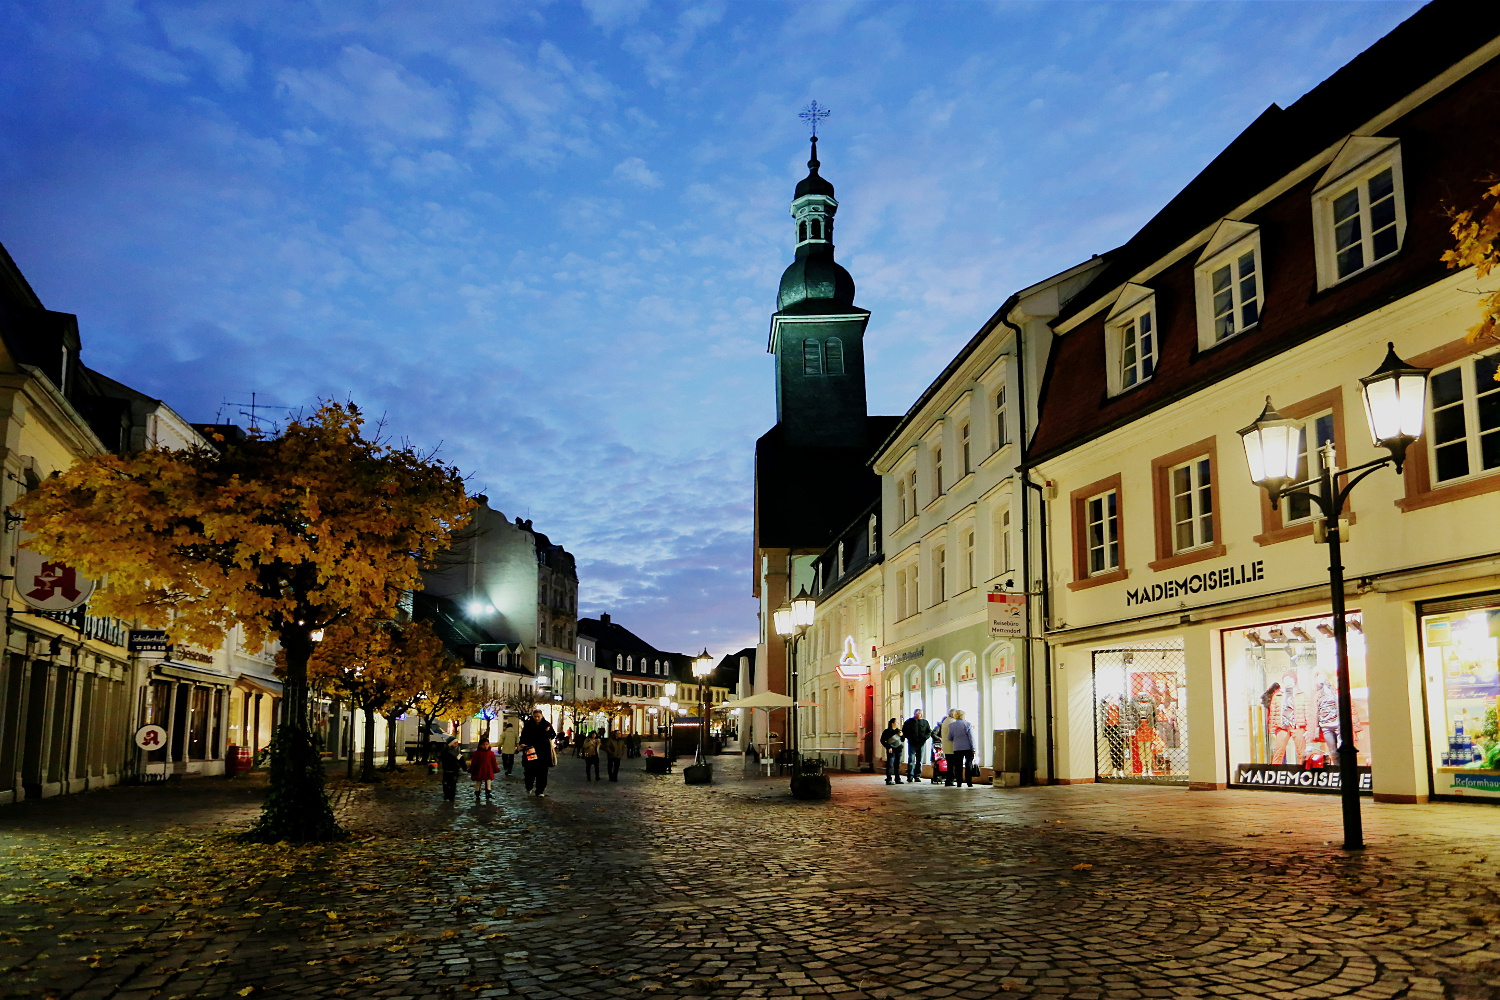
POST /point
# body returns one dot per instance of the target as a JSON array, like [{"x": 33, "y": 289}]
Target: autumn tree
[
  {"x": 519, "y": 702},
  {"x": 425, "y": 662},
  {"x": 281, "y": 534},
  {"x": 1474, "y": 232},
  {"x": 448, "y": 696}
]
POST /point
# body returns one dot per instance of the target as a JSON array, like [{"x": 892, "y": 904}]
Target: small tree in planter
[{"x": 809, "y": 781}]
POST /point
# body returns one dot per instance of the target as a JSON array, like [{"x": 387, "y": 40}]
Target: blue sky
[{"x": 547, "y": 236}]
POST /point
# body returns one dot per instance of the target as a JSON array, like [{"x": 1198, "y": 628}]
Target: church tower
[{"x": 817, "y": 332}]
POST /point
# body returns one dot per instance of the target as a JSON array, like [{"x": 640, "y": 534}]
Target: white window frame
[
  {"x": 1199, "y": 519},
  {"x": 1231, "y": 243},
  {"x": 1473, "y": 383},
  {"x": 1310, "y": 464},
  {"x": 939, "y": 574},
  {"x": 1109, "y": 542},
  {"x": 937, "y": 471},
  {"x": 969, "y": 567},
  {"x": 965, "y": 446},
  {"x": 1000, "y": 422},
  {"x": 901, "y": 500},
  {"x": 901, "y": 610},
  {"x": 1360, "y": 159},
  {"x": 1133, "y": 303}
]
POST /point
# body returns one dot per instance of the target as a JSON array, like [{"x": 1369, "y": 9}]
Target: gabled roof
[
  {"x": 1435, "y": 38},
  {"x": 613, "y": 636}
]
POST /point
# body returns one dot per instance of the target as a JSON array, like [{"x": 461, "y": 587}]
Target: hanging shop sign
[
  {"x": 148, "y": 640},
  {"x": 151, "y": 737},
  {"x": 1007, "y": 616},
  {"x": 48, "y": 585},
  {"x": 1197, "y": 583},
  {"x": 1295, "y": 778},
  {"x": 850, "y": 666}
]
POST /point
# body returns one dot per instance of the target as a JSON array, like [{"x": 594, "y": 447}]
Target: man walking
[
  {"x": 916, "y": 731},
  {"x": 614, "y": 749},
  {"x": 508, "y": 740}
]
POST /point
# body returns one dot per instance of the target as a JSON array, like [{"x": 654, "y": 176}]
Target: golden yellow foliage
[
  {"x": 1474, "y": 232},
  {"x": 298, "y": 530}
]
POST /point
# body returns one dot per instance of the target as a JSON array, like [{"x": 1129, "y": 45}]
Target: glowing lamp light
[
  {"x": 316, "y": 635},
  {"x": 782, "y": 617},
  {"x": 804, "y": 609},
  {"x": 664, "y": 701},
  {"x": 1273, "y": 450},
  {"x": 1395, "y": 397},
  {"x": 703, "y": 664},
  {"x": 670, "y": 688}
]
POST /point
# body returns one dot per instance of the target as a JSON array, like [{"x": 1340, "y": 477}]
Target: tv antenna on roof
[{"x": 813, "y": 114}]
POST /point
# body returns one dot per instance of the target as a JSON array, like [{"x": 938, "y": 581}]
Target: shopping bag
[{"x": 530, "y": 754}]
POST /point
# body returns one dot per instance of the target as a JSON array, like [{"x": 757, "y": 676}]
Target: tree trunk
[
  {"x": 367, "y": 758},
  {"x": 296, "y": 807}
]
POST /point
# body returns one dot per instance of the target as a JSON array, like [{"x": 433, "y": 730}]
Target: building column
[
  {"x": 1396, "y": 732},
  {"x": 1208, "y": 751}
]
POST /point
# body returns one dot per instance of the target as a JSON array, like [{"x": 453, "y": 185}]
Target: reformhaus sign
[{"x": 1197, "y": 583}]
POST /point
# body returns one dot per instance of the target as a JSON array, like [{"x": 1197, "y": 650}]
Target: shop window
[
  {"x": 1281, "y": 694},
  {"x": 1186, "y": 494},
  {"x": 1359, "y": 209},
  {"x": 1461, "y": 653},
  {"x": 1140, "y": 714},
  {"x": 1003, "y": 708},
  {"x": 1098, "y": 546}
]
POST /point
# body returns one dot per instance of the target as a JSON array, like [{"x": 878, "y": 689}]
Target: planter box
[
  {"x": 811, "y": 786},
  {"x": 658, "y": 765},
  {"x": 698, "y": 774}
]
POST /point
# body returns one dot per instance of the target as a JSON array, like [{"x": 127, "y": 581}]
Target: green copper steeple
[{"x": 817, "y": 332}]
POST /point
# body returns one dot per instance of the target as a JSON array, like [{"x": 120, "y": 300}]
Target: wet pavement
[{"x": 650, "y": 887}]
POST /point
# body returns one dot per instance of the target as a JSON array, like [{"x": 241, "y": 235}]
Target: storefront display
[
  {"x": 1281, "y": 690},
  {"x": 1140, "y": 721},
  {"x": 1461, "y": 654}
]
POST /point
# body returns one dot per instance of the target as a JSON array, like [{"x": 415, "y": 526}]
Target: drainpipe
[{"x": 1045, "y": 592}]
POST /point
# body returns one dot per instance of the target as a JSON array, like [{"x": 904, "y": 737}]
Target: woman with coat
[
  {"x": 482, "y": 768},
  {"x": 535, "y": 745},
  {"x": 893, "y": 742},
  {"x": 960, "y": 737},
  {"x": 508, "y": 740}
]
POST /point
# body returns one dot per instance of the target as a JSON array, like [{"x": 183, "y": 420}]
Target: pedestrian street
[{"x": 650, "y": 887}]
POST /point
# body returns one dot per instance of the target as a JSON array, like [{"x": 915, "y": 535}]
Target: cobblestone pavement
[{"x": 653, "y": 888}]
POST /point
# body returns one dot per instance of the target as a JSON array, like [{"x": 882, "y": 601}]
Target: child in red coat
[{"x": 482, "y": 767}]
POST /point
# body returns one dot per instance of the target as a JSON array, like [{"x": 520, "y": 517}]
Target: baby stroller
[{"x": 939, "y": 763}]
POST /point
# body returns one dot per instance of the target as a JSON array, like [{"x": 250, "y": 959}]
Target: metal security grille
[{"x": 1140, "y": 715}]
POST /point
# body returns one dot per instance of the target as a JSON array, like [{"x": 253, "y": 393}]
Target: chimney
[{"x": 604, "y": 618}]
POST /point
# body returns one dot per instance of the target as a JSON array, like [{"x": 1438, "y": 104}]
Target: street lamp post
[
  {"x": 791, "y": 620},
  {"x": 703, "y": 665},
  {"x": 1395, "y": 397}
]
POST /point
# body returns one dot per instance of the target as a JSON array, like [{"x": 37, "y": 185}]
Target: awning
[
  {"x": 260, "y": 685},
  {"x": 767, "y": 699},
  {"x": 187, "y": 672}
]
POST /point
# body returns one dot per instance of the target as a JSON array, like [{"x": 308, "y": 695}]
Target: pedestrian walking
[
  {"x": 615, "y": 748},
  {"x": 482, "y": 768},
  {"x": 916, "y": 731},
  {"x": 537, "y": 753},
  {"x": 632, "y": 745},
  {"x": 449, "y": 764},
  {"x": 894, "y": 744},
  {"x": 508, "y": 740},
  {"x": 961, "y": 757},
  {"x": 591, "y": 755},
  {"x": 942, "y": 748}
]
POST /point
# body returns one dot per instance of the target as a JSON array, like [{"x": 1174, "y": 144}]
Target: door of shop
[{"x": 1140, "y": 715}]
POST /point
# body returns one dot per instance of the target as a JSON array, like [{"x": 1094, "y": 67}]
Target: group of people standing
[
  {"x": 954, "y": 736},
  {"x": 536, "y": 745}
]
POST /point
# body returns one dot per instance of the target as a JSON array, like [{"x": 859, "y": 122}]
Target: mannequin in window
[
  {"x": 1288, "y": 721},
  {"x": 1111, "y": 721},
  {"x": 1145, "y": 732}
]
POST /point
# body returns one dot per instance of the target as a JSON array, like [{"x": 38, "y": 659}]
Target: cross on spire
[{"x": 813, "y": 114}]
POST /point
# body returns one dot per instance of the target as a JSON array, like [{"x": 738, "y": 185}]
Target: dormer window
[
  {"x": 1228, "y": 280},
  {"x": 1359, "y": 208},
  {"x": 1131, "y": 339}
]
